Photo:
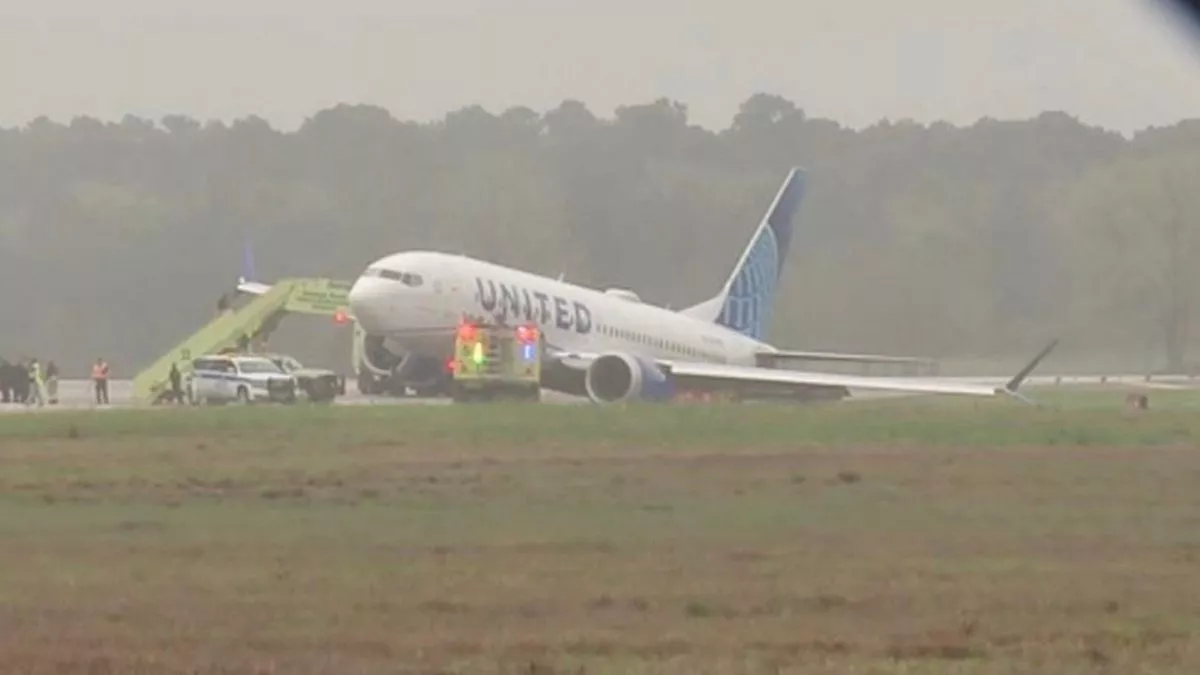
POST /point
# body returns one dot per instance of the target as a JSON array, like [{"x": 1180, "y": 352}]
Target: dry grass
[{"x": 363, "y": 550}]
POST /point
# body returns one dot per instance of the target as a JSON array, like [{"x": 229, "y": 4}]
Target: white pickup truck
[{"x": 319, "y": 385}]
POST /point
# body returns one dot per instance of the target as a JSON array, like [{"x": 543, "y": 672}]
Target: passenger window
[
  {"x": 390, "y": 274},
  {"x": 413, "y": 280}
]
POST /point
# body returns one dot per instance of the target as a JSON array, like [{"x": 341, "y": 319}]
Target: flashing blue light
[{"x": 527, "y": 351}]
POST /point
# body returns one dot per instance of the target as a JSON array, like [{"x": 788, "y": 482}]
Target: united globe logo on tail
[
  {"x": 748, "y": 306},
  {"x": 750, "y": 293}
]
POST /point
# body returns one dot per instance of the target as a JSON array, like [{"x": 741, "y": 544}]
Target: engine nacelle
[
  {"x": 616, "y": 377},
  {"x": 375, "y": 355},
  {"x": 385, "y": 368}
]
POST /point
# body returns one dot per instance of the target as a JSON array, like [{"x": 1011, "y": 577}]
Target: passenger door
[
  {"x": 229, "y": 383},
  {"x": 202, "y": 379}
]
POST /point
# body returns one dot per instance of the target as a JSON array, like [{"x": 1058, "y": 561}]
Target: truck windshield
[{"x": 263, "y": 366}]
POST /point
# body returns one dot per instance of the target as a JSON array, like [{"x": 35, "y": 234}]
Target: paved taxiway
[{"x": 78, "y": 395}]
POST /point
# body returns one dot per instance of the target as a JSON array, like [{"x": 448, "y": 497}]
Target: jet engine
[
  {"x": 383, "y": 371},
  {"x": 375, "y": 355},
  {"x": 616, "y": 377}
]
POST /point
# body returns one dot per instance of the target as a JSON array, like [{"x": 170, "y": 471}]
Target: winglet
[{"x": 1015, "y": 383}]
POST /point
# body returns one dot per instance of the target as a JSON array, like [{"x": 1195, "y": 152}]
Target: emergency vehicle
[
  {"x": 492, "y": 360},
  {"x": 319, "y": 385},
  {"x": 222, "y": 378}
]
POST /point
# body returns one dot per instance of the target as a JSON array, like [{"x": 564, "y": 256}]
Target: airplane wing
[
  {"x": 705, "y": 371},
  {"x": 697, "y": 371},
  {"x": 911, "y": 365},
  {"x": 252, "y": 287},
  {"x": 836, "y": 357}
]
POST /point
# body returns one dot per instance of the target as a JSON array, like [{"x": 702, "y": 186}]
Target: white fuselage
[{"x": 415, "y": 299}]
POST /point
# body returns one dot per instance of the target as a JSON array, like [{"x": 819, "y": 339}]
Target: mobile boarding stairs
[{"x": 250, "y": 323}]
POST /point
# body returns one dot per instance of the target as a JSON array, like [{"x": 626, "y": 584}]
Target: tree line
[{"x": 948, "y": 241}]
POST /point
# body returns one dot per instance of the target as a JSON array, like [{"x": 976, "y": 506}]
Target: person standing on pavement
[
  {"x": 52, "y": 382},
  {"x": 19, "y": 374},
  {"x": 100, "y": 381},
  {"x": 37, "y": 386},
  {"x": 176, "y": 384},
  {"x": 6, "y": 381}
]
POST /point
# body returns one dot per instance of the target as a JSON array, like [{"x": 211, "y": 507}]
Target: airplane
[{"x": 610, "y": 346}]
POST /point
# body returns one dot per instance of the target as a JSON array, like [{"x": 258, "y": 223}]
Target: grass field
[{"x": 893, "y": 537}]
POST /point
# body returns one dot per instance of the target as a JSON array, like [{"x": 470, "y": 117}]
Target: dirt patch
[{"x": 198, "y": 554}]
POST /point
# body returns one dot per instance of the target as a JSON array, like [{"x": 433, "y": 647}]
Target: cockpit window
[{"x": 406, "y": 278}]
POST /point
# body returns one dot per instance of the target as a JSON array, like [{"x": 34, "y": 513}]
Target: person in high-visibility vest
[
  {"x": 37, "y": 387},
  {"x": 100, "y": 380}
]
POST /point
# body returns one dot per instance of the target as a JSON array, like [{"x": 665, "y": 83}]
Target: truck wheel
[
  {"x": 321, "y": 393},
  {"x": 461, "y": 394}
]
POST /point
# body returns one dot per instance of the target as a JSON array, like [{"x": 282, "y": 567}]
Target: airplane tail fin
[
  {"x": 248, "y": 280},
  {"x": 248, "y": 273},
  {"x": 746, "y": 301}
]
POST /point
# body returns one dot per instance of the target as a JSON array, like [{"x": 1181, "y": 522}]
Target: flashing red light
[
  {"x": 340, "y": 317},
  {"x": 526, "y": 333},
  {"x": 466, "y": 331},
  {"x": 450, "y": 365}
]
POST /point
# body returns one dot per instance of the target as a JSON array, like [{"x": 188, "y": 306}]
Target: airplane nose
[{"x": 369, "y": 303}]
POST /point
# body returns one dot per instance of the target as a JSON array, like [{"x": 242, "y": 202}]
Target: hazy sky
[{"x": 1121, "y": 66}]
